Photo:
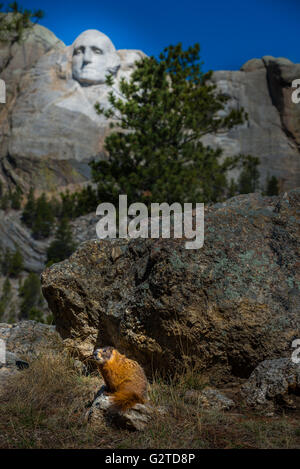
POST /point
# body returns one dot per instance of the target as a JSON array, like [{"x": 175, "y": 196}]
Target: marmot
[{"x": 125, "y": 379}]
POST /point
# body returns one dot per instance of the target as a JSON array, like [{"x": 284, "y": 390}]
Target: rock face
[
  {"x": 26, "y": 338},
  {"x": 271, "y": 384},
  {"x": 14, "y": 233},
  {"x": 49, "y": 130},
  {"x": 224, "y": 308},
  {"x": 264, "y": 88},
  {"x": 15, "y": 62},
  {"x": 49, "y": 126}
]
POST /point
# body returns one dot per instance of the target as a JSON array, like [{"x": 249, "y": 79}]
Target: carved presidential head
[{"x": 94, "y": 57}]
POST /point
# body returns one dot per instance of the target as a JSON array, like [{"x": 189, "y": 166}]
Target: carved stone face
[{"x": 94, "y": 57}]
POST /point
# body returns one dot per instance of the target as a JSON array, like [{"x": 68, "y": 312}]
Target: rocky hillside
[
  {"x": 14, "y": 233},
  {"x": 49, "y": 130},
  {"x": 263, "y": 87}
]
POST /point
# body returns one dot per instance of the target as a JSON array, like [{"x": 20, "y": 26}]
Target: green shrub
[
  {"x": 12, "y": 264},
  {"x": 16, "y": 263},
  {"x": 29, "y": 211},
  {"x": 30, "y": 292},
  {"x": 36, "y": 314},
  {"x": 5, "y": 296},
  {"x": 272, "y": 186},
  {"x": 248, "y": 180},
  {"x": 43, "y": 218},
  {"x": 63, "y": 245}
]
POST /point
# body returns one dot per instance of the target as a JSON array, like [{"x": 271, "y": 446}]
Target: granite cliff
[{"x": 49, "y": 130}]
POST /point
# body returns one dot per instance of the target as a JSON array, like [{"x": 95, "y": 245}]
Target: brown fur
[{"x": 124, "y": 378}]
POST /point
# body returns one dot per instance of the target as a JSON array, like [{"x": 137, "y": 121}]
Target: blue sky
[{"x": 230, "y": 32}]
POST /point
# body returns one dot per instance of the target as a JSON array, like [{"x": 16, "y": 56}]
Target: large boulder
[
  {"x": 272, "y": 384},
  {"x": 224, "y": 307}
]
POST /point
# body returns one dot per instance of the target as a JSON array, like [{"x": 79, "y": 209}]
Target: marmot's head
[{"x": 102, "y": 355}]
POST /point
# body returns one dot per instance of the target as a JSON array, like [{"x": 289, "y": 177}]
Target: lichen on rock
[
  {"x": 271, "y": 385},
  {"x": 230, "y": 305}
]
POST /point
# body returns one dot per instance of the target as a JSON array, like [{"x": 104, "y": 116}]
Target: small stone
[
  {"x": 209, "y": 398},
  {"x": 12, "y": 361},
  {"x": 116, "y": 252},
  {"x": 102, "y": 410}
]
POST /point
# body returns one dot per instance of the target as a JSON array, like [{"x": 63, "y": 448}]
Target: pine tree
[
  {"x": 78, "y": 203},
  {"x": 44, "y": 218},
  {"x": 272, "y": 186},
  {"x": 29, "y": 211},
  {"x": 63, "y": 245},
  {"x": 5, "y": 297},
  {"x": 248, "y": 181},
  {"x": 5, "y": 261},
  {"x": 4, "y": 203},
  {"x": 6, "y": 289},
  {"x": 16, "y": 199},
  {"x": 35, "y": 314},
  {"x": 13, "y": 25},
  {"x": 155, "y": 154},
  {"x": 86, "y": 201},
  {"x": 16, "y": 263},
  {"x": 56, "y": 207},
  {"x": 12, "y": 264},
  {"x": 232, "y": 189},
  {"x": 30, "y": 292},
  {"x": 68, "y": 209}
]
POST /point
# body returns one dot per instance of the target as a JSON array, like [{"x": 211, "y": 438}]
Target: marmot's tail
[{"x": 126, "y": 399}]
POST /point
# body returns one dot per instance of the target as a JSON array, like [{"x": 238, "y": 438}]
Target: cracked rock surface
[{"x": 224, "y": 308}]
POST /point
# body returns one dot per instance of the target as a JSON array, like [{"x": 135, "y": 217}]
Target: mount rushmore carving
[
  {"x": 50, "y": 131},
  {"x": 54, "y": 128},
  {"x": 94, "y": 56}
]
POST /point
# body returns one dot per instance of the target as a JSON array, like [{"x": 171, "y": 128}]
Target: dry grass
[{"x": 45, "y": 406}]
